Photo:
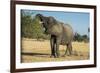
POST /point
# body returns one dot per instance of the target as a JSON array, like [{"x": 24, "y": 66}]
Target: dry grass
[{"x": 39, "y": 51}]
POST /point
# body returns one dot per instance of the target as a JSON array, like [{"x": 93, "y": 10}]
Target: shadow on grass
[{"x": 33, "y": 54}]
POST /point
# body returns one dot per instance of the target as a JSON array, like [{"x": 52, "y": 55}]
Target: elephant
[{"x": 61, "y": 34}]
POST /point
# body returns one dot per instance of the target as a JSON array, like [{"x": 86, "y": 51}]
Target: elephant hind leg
[{"x": 68, "y": 49}]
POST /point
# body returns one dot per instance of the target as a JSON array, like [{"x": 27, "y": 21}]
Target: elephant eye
[{"x": 41, "y": 19}]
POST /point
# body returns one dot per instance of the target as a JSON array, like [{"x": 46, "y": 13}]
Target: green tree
[
  {"x": 30, "y": 27},
  {"x": 26, "y": 26},
  {"x": 81, "y": 38},
  {"x": 37, "y": 29},
  {"x": 85, "y": 38},
  {"x": 77, "y": 37}
]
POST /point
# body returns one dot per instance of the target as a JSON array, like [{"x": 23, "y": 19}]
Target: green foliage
[
  {"x": 81, "y": 38},
  {"x": 30, "y": 27},
  {"x": 26, "y": 24}
]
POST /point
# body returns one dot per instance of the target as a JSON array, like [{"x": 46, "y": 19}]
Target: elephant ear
[{"x": 51, "y": 21}]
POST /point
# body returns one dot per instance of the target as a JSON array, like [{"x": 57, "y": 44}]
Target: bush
[
  {"x": 80, "y": 38},
  {"x": 30, "y": 27}
]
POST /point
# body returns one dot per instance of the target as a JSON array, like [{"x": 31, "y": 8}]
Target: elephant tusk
[{"x": 40, "y": 22}]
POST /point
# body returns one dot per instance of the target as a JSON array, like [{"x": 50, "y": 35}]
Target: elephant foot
[
  {"x": 69, "y": 54},
  {"x": 53, "y": 56},
  {"x": 57, "y": 56},
  {"x": 64, "y": 55}
]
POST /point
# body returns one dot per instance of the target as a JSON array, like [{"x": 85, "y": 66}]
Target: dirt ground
[{"x": 39, "y": 51}]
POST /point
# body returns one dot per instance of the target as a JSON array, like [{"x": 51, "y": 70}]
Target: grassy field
[{"x": 39, "y": 51}]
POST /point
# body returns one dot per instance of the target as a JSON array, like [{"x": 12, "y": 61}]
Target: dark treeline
[
  {"x": 80, "y": 38},
  {"x": 30, "y": 28}
]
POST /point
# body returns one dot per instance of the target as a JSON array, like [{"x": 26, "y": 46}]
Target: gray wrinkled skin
[{"x": 60, "y": 34}]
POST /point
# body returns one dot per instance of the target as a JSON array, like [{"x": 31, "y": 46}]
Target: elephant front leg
[
  {"x": 57, "y": 47},
  {"x": 52, "y": 47}
]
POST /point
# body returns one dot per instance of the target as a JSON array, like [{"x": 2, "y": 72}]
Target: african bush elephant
[{"x": 60, "y": 34}]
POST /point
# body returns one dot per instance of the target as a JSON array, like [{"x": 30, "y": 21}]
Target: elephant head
[{"x": 47, "y": 22}]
